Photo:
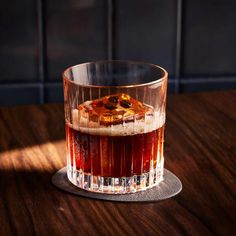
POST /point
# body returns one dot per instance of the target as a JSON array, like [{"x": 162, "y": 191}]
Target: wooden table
[{"x": 200, "y": 149}]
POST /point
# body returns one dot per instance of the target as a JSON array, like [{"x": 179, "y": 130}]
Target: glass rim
[{"x": 162, "y": 78}]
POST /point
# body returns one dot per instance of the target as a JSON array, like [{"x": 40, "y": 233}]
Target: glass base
[{"x": 112, "y": 185}]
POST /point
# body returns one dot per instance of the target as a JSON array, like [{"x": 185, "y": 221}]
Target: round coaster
[{"x": 168, "y": 188}]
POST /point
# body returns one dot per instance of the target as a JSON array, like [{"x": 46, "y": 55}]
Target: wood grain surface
[{"x": 200, "y": 148}]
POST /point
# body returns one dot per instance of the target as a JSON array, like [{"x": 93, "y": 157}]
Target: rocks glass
[{"x": 115, "y": 118}]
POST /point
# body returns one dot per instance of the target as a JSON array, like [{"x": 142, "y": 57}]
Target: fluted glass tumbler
[{"x": 115, "y": 118}]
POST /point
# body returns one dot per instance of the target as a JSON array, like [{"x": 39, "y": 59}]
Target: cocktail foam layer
[{"x": 145, "y": 125}]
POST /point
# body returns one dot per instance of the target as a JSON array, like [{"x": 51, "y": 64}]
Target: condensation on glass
[{"x": 115, "y": 118}]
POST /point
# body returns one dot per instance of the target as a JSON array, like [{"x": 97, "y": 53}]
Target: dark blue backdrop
[{"x": 194, "y": 40}]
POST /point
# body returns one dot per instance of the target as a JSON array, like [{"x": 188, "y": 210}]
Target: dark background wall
[{"x": 195, "y": 40}]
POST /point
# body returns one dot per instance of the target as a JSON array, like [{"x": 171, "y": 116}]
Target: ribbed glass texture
[{"x": 115, "y": 118}]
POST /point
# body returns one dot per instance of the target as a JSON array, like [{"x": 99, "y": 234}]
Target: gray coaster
[{"x": 168, "y": 188}]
